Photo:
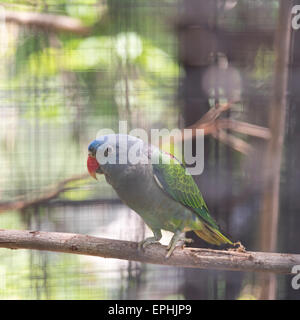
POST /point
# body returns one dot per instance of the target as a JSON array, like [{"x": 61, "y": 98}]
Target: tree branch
[
  {"x": 52, "y": 192},
  {"x": 232, "y": 141},
  {"x": 244, "y": 128},
  {"x": 154, "y": 254},
  {"x": 47, "y": 21},
  {"x": 215, "y": 127}
]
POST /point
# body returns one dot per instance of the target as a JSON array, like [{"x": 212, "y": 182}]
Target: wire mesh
[{"x": 155, "y": 64}]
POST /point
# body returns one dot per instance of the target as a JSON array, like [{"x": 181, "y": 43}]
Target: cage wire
[
  {"x": 57, "y": 92},
  {"x": 142, "y": 63}
]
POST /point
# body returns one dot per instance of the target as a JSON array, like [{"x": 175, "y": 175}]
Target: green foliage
[
  {"x": 87, "y": 11},
  {"x": 28, "y": 44},
  {"x": 62, "y": 89},
  {"x": 264, "y": 65}
]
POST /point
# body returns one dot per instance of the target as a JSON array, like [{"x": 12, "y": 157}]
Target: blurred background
[{"x": 70, "y": 68}]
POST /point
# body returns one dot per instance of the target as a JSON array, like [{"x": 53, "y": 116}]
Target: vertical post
[
  {"x": 290, "y": 220},
  {"x": 272, "y": 162}
]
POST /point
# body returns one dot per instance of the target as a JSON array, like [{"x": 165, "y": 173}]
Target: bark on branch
[
  {"x": 154, "y": 254},
  {"x": 51, "y": 22},
  {"x": 50, "y": 193},
  {"x": 215, "y": 127}
]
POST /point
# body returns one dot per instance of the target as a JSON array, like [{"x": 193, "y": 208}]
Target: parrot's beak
[{"x": 92, "y": 166}]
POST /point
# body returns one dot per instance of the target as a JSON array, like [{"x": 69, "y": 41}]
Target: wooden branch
[
  {"x": 49, "y": 194},
  {"x": 47, "y": 21},
  {"x": 244, "y": 128},
  {"x": 154, "y": 254},
  {"x": 216, "y": 128},
  {"x": 207, "y": 122},
  {"x": 211, "y": 115},
  {"x": 232, "y": 141}
]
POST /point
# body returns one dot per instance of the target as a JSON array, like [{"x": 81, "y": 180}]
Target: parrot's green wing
[{"x": 180, "y": 185}]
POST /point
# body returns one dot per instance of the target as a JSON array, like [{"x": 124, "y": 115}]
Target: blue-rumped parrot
[{"x": 156, "y": 186}]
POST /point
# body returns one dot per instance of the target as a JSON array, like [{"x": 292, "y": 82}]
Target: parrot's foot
[
  {"x": 177, "y": 237},
  {"x": 146, "y": 242},
  {"x": 239, "y": 247}
]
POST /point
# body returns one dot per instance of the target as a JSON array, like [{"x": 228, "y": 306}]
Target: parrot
[{"x": 157, "y": 186}]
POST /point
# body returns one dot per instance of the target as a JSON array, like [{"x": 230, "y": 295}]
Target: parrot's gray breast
[{"x": 137, "y": 188}]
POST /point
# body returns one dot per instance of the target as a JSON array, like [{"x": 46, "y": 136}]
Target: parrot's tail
[{"x": 211, "y": 235}]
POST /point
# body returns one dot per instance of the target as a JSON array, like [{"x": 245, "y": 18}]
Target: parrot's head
[{"x": 111, "y": 153}]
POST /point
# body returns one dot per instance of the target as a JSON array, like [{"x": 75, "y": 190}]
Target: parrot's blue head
[{"x": 112, "y": 152}]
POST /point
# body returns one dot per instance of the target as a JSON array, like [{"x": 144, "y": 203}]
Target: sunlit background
[{"x": 156, "y": 64}]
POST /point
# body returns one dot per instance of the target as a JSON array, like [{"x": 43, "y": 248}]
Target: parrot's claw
[
  {"x": 146, "y": 242},
  {"x": 184, "y": 240},
  {"x": 177, "y": 238},
  {"x": 239, "y": 247}
]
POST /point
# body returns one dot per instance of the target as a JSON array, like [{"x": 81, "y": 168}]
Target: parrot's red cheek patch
[{"x": 92, "y": 166}]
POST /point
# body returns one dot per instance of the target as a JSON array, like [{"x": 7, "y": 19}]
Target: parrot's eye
[{"x": 107, "y": 151}]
